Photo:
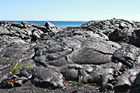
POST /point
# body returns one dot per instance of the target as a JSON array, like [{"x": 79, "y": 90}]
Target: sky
[{"x": 69, "y": 10}]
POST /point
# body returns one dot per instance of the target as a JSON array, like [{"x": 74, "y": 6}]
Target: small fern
[
  {"x": 14, "y": 68},
  {"x": 79, "y": 80}
]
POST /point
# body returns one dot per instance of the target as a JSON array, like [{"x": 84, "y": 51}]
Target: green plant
[
  {"x": 79, "y": 81},
  {"x": 14, "y": 68}
]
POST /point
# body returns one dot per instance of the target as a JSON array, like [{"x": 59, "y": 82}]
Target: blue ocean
[{"x": 63, "y": 24}]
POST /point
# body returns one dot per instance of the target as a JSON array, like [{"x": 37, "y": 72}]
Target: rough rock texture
[
  {"x": 104, "y": 53},
  {"x": 51, "y": 27},
  {"x": 117, "y": 30}
]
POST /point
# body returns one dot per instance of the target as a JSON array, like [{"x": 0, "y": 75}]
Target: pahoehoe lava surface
[{"x": 105, "y": 53}]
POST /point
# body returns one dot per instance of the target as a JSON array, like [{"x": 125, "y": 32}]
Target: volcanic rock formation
[{"x": 102, "y": 52}]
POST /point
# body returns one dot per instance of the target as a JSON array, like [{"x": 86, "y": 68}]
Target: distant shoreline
[{"x": 63, "y": 24}]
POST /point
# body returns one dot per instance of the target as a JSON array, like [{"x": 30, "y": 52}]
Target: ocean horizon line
[
  {"x": 44, "y": 20},
  {"x": 72, "y": 20}
]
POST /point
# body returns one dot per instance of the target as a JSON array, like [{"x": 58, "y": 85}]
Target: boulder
[
  {"x": 37, "y": 33},
  {"x": 127, "y": 54},
  {"x": 47, "y": 77},
  {"x": 51, "y": 27},
  {"x": 40, "y": 27}
]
